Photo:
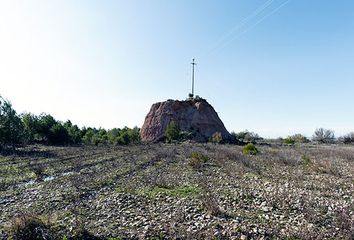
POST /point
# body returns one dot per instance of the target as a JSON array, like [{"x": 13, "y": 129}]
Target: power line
[
  {"x": 238, "y": 26},
  {"x": 254, "y": 25},
  {"x": 230, "y": 37}
]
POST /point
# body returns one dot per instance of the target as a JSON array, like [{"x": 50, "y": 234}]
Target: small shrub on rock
[
  {"x": 250, "y": 149},
  {"x": 172, "y": 132},
  {"x": 216, "y": 138}
]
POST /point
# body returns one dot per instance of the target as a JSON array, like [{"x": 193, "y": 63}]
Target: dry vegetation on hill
[{"x": 180, "y": 191}]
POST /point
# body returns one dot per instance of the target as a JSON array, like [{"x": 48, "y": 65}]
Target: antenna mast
[{"x": 193, "y": 64}]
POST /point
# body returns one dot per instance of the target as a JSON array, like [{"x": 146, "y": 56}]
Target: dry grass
[{"x": 185, "y": 191}]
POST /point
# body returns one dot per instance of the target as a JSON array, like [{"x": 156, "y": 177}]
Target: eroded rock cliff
[{"x": 196, "y": 117}]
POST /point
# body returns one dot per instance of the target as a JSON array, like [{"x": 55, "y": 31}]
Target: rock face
[{"x": 193, "y": 116}]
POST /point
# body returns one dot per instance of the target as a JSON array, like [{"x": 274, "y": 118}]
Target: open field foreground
[{"x": 182, "y": 191}]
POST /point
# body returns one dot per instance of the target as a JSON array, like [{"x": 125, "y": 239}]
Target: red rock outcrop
[{"x": 193, "y": 116}]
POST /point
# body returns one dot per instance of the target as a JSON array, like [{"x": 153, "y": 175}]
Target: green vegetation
[
  {"x": 172, "y": 132},
  {"x": 306, "y": 160},
  {"x": 197, "y": 160},
  {"x": 246, "y": 136},
  {"x": 297, "y": 138},
  {"x": 29, "y": 128},
  {"x": 250, "y": 149},
  {"x": 11, "y": 128}
]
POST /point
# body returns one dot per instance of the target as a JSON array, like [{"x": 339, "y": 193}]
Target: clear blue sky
[{"x": 274, "y": 67}]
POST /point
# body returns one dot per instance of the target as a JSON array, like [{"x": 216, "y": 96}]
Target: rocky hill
[{"x": 196, "y": 117}]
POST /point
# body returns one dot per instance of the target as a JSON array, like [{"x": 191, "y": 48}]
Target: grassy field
[{"x": 182, "y": 191}]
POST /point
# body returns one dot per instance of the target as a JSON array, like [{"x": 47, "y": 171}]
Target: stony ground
[{"x": 183, "y": 191}]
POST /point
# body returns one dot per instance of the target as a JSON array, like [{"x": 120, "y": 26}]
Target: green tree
[
  {"x": 58, "y": 135},
  {"x": 74, "y": 132},
  {"x": 11, "y": 127},
  {"x": 89, "y": 135},
  {"x": 45, "y": 123},
  {"x": 134, "y": 134},
  {"x": 172, "y": 132},
  {"x": 31, "y": 126}
]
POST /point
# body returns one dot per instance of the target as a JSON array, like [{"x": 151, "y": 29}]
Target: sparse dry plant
[
  {"x": 347, "y": 139},
  {"x": 322, "y": 135},
  {"x": 197, "y": 160}
]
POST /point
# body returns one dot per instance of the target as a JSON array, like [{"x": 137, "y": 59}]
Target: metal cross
[{"x": 193, "y": 64}]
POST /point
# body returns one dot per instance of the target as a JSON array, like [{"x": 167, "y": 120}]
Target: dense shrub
[
  {"x": 114, "y": 136},
  {"x": 250, "y": 149},
  {"x": 297, "y": 138},
  {"x": 172, "y": 132},
  {"x": 288, "y": 141},
  {"x": 323, "y": 135}
]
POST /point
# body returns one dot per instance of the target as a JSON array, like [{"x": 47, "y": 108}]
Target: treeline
[
  {"x": 28, "y": 128},
  {"x": 320, "y": 135}
]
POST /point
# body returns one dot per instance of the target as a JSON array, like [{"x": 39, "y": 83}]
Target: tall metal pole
[{"x": 193, "y": 64}]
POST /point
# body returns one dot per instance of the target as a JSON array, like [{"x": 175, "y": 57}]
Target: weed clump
[
  {"x": 197, "y": 160},
  {"x": 250, "y": 149},
  {"x": 29, "y": 227},
  {"x": 306, "y": 160}
]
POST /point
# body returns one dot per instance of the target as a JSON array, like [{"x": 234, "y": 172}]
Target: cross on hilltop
[{"x": 191, "y": 95}]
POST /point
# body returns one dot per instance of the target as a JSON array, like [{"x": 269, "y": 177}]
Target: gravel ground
[{"x": 183, "y": 191}]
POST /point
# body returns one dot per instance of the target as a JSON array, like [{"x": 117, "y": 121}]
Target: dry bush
[
  {"x": 345, "y": 221},
  {"x": 211, "y": 205},
  {"x": 288, "y": 157},
  {"x": 347, "y": 139},
  {"x": 29, "y": 227},
  {"x": 322, "y": 135},
  {"x": 197, "y": 160},
  {"x": 38, "y": 170}
]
